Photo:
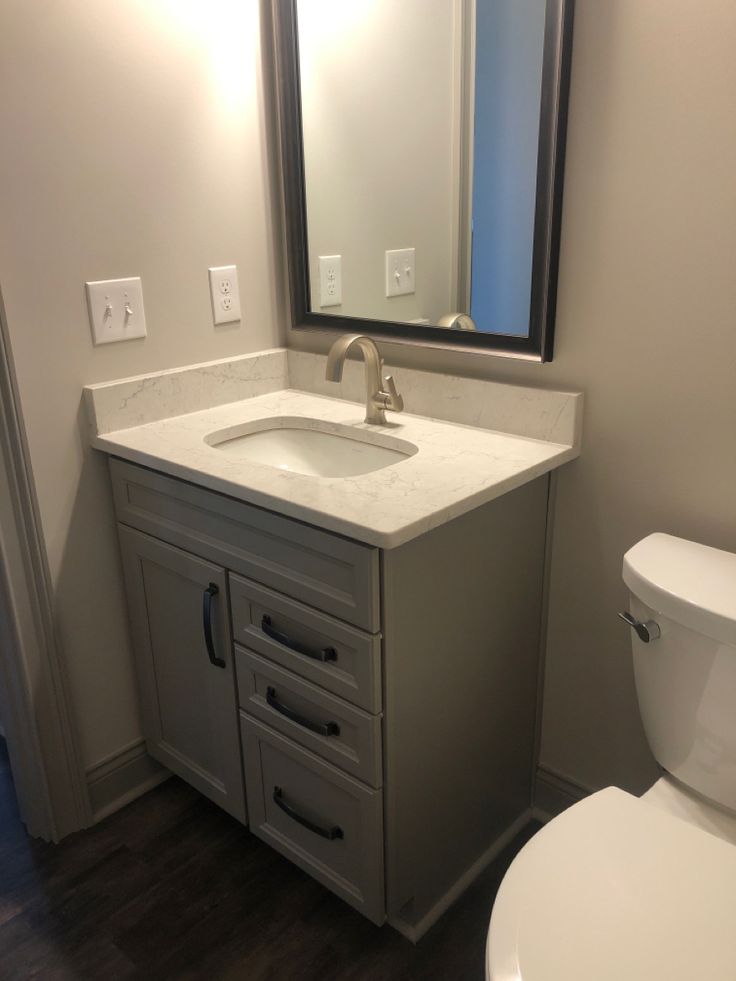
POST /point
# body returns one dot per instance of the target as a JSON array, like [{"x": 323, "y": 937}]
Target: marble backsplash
[
  {"x": 160, "y": 395},
  {"x": 536, "y": 413}
]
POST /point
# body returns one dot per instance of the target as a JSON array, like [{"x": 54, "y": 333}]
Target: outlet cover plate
[
  {"x": 330, "y": 280},
  {"x": 116, "y": 310},
  {"x": 400, "y": 272},
  {"x": 224, "y": 294}
]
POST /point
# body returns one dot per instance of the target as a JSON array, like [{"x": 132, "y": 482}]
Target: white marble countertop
[{"x": 458, "y": 467}]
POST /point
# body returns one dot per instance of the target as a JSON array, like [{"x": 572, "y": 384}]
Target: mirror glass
[{"x": 420, "y": 136}]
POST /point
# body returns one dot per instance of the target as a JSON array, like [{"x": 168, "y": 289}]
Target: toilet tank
[{"x": 686, "y": 678}]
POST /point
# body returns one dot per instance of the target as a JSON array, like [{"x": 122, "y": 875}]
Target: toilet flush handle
[{"x": 644, "y": 631}]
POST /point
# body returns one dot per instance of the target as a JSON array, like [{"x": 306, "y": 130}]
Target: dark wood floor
[{"x": 171, "y": 887}]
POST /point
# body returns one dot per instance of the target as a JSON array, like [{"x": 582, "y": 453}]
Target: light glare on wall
[
  {"x": 226, "y": 33},
  {"x": 324, "y": 23}
]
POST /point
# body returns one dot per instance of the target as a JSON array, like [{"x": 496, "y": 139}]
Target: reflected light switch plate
[
  {"x": 116, "y": 310},
  {"x": 400, "y": 272}
]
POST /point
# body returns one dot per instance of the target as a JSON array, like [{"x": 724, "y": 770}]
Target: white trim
[
  {"x": 554, "y": 793},
  {"x": 121, "y": 777},
  {"x": 113, "y": 761},
  {"x": 543, "y": 628},
  {"x": 416, "y": 932},
  {"x": 141, "y": 788},
  {"x": 42, "y": 743},
  {"x": 461, "y": 165},
  {"x": 544, "y": 816}
]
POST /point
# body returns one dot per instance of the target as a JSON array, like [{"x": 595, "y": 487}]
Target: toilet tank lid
[{"x": 691, "y": 584}]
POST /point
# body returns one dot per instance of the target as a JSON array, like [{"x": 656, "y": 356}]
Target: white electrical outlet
[
  {"x": 116, "y": 310},
  {"x": 400, "y": 272},
  {"x": 225, "y": 294},
  {"x": 330, "y": 280}
]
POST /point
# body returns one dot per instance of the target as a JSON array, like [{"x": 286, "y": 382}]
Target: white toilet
[{"x": 622, "y": 888}]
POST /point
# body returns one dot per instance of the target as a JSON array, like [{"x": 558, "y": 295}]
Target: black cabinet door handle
[
  {"x": 321, "y": 728},
  {"x": 326, "y": 654},
  {"x": 329, "y": 833},
  {"x": 211, "y": 591}
]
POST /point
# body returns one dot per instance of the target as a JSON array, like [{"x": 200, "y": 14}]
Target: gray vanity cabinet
[
  {"x": 382, "y": 701},
  {"x": 187, "y": 686}
]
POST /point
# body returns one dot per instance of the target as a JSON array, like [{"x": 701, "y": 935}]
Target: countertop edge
[{"x": 348, "y": 529}]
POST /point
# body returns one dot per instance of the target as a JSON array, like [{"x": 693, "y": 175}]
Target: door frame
[
  {"x": 38, "y": 717},
  {"x": 463, "y": 124}
]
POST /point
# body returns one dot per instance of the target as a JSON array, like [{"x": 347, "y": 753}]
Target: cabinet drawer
[
  {"x": 323, "y": 820},
  {"x": 297, "y": 638},
  {"x": 346, "y": 736},
  {"x": 333, "y": 573}
]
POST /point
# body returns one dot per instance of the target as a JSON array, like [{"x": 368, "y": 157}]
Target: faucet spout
[{"x": 377, "y": 399}]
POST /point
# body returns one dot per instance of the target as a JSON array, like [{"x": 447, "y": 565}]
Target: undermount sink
[{"x": 311, "y": 447}]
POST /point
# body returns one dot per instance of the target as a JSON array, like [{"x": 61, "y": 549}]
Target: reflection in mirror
[
  {"x": 407, "y": 117},
  {"x": 509, "y": 43},
  {"x": 430, "y": 164}
]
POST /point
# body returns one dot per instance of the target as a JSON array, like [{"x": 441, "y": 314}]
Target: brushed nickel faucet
[
  {"x": 376, "y": 399},
  {"x": 457, "y": 321}
]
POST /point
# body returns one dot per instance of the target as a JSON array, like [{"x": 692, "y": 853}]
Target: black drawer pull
[
  {"x": 326, "y": 654},
  {"x": 321, "y": 728},
  {"x": 329, "y": 833},
  {"x": 211, "y": 591}
]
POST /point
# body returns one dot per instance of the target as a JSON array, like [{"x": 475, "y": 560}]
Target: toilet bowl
[{"x": 624, "y": 887}]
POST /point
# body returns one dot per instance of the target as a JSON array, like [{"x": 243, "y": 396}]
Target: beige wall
[
  {"x": 132, "y": 144},
  {"x": 379, "y": 86},
  {"x": 130, "y": 148},
  {"x": 646, "y": 326}
]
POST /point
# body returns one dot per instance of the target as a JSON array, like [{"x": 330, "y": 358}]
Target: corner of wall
[{"x": 121, "y": 777}]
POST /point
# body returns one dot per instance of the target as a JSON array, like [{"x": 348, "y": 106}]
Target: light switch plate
[
  {"x": 400, "y": 272},
  {"x": 116, "y": 310},
  {"x": 225, "y": 294},
  {"x": 330, "y": 280}
]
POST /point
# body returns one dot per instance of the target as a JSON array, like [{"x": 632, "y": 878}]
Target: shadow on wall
[{"x": 90, "y": 606}]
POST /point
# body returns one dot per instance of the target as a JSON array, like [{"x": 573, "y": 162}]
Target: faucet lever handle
[{"x": 396, "y": 402}]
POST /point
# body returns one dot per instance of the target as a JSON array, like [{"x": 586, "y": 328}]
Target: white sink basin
[{"x": 311, "y": 447}]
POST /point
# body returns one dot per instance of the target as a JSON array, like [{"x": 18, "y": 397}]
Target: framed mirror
[{"x": 422, "y": 149}]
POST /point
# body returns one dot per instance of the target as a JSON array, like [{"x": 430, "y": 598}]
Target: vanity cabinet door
[{"x": 179, "y": 613}]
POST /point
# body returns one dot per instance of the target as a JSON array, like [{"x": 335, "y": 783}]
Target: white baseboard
[
  {"x": 121, "y": 777},
  {"x": 544, "y": 817},
  {"x": 554, "y": 793},
  {"x": 415, "y": 932}
]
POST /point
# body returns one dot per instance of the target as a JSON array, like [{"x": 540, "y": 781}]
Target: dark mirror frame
[{"x": 550, "y": 170}]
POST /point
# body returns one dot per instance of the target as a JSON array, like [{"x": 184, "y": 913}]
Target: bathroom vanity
[{"x": 348, "y": 665}]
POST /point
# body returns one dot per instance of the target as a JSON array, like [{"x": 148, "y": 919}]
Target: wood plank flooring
[{"x": 173, "y": 888}]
